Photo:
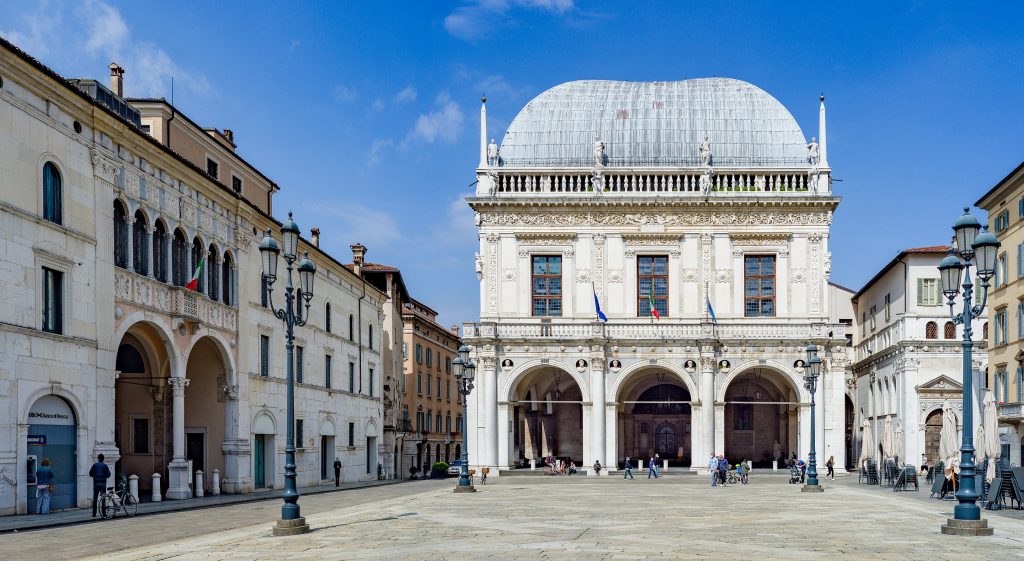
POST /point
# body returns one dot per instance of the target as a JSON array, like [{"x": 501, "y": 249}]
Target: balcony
[
  {"x": 643, "y": 330},
  {"x": 1011, "y": 412},
  {"x": 176, "y": 301},
  {"x": 913, "y": 328}
]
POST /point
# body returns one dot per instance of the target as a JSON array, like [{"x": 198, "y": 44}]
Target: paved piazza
[{"x": 675, "y": 517}]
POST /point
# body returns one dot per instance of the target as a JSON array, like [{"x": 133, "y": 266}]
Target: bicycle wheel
[
  {"x": 107, "y": 508},
  {"x": 131, "y": 505}
]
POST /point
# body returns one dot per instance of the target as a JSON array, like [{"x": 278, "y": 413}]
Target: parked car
[{"x": 455, "y": 467}]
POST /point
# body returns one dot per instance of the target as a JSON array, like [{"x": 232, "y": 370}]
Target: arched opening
[
  {"x": 140, "y": 249},
  {"x": 932, "y": 430},
  {"x": 160, "y": 251},
  {"x": 53, "y": 206},
  {"x": 211, "y": 270},
  {"x": 761, "y": 412},
  {"x": 120, "y": 235},
  {"x": 263, "y": 455},
  {"x": 197, "y": 255},
  {"x": 547, "y": 417},
  {"x": 654, "y": 417},
  {"x": 227, "y": 283},
  {"x": 850, "y": 426},
  {"x": 143, "y": 424},
  {"x": 931, "y": 330},
  {"x": 179, "y": 258},
  {"x": 52, "y": 435},
  {"x": 949, "y": 330},
  {"x": 204, "y": 409}
]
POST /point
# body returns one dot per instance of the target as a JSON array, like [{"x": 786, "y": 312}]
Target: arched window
[
  {"x": 931, "y": 330},
  {"x": 120, "y": 235},
  {"x": 226, "y": 280},
  {"x": 53, "y": 206},
  {"x": 437, "y": 424},
  {"x": 984, "y": 330},
  {"x": 370, "y": 338},
  {"x": 160, "y": 251},
  {"x": 351, "y": 328},
  {"x": 949, "y": 330},
  {"x": 197, "y": 255},
  {"x": 211, "y": 270},
  {"x": 179, "y": 258},
  {"x": 140, "y": 250},
  {"x": 327, "y": 317}
]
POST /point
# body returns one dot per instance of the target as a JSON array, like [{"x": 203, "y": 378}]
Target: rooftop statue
[
  {"x": 705, "y": 152},
  {"x": 705, "y": 183},
  {"x": 492, "y": 153},
  {"x": 598, "y": 153},
  {"x": 812, "y": 152}
]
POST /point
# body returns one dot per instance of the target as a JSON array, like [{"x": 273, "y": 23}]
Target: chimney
[
  {"x": 358, "y": 252},
  {"x": 314, "y": 237},
  {"x": 455, "y": 330},
  {"x": 230, "y": 135},
  {"x": 117, "y": 79}
]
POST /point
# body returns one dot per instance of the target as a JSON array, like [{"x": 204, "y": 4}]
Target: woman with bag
[
  {"x": 831, "y": 465},
  {"x": 44, "y": 486}
]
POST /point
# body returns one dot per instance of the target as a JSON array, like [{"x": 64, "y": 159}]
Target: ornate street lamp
[
  {"x": 811, "y": 372},
  {"x": 291, "y": 522},
  {"x": 978, "y": 245},
  {"x": 465, "y": 371}
]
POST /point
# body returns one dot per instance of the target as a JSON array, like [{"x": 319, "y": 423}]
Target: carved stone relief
[{"x": 782, "y": 218}]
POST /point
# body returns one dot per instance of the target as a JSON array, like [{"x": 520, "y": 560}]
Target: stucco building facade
[
  {"x": 105, "y": 216},
  {"x": 701, "y": 199}
]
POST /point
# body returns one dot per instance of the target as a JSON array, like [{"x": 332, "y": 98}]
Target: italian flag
[
  {"x": 650, "y": 298},
  {"x": 193, "y": 283}
]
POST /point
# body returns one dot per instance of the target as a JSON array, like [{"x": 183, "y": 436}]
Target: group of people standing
[{"x": 99, "y": 472}]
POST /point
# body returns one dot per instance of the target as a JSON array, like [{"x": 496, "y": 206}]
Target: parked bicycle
[
  {"x": 112, "y": 500},
  {"x": 738, "y": 477}
]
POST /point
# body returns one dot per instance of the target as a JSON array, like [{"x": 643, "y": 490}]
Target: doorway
[
  {"x": 326, "y": 457},
  {"x": 195, "y": 453},
  {"x": 51, "y": 435},
  {"x": 667, "y": 443},
  {"x": 259, "y": 452}
]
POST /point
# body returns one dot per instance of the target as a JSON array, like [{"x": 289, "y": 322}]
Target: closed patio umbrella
[
  {"x": 993, "y": 449},
  {"x": 888, "y": 438},
  {"x": 867, "y": 444},
  {"x": 949, "y": 439},
  {"x": 899, "y": 444}
]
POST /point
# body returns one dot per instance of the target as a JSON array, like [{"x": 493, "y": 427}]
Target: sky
[{"x": 367, "y": 114}]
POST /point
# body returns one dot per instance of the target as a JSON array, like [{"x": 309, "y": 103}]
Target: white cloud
[
  {"x": 377, "y": 105},
  {"x": 344, "y": 94},
  {"x": 377, "y": 149},
  {"x": 443, "y": 123},
  {"x": 407, "y": 94},
  {"x": 37, "y": 32},
  {"x": 108, "y": 32},
  {"x": 474, "y": 20}
]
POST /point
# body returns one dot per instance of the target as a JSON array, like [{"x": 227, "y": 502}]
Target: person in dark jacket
[
  {"x": 44, "y": 480},
  {"x": 99, "y": 472},
  {"x": 337, "y": 472}
]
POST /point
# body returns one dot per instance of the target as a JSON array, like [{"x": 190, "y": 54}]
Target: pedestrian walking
[
  {"x": 723, "y": 468},
  {"x": 44, "y": 485},
  {"x": 652, "y": 469},
  {"x": 628, "y": 469},
  {"x": 99, "y": 472},
  {"x": 831, "y": 465},
  {"x": 713, "y": 467},
  {"x": 337, "y": 472}
]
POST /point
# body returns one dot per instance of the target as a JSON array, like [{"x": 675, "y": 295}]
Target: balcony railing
[
  {"x": 1010, "y": 411},
  {"x": 661, "y": 330},
  {"x": 912, "y": 328},
  {"x": 174, "y": 301}
]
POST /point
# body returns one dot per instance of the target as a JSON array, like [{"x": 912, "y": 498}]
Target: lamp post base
[
  {"x": 291, "y": 527},
  {"x": 954, "y": 527},
  {"x": 464, "y": 489},
  {"x": 812, "y": 489}
]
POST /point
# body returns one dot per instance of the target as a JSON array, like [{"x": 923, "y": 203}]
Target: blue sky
[{"x": 367, "y": 114}]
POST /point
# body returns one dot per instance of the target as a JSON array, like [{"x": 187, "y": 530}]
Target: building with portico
[{"x": 697, "y": 215}]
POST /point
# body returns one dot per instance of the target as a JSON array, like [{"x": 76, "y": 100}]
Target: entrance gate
[{"x": 51, "y": 434}]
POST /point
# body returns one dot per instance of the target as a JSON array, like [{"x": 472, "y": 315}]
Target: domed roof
[{"x": 654, "y": 124}]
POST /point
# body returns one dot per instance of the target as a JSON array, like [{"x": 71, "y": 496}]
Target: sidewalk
[{"x": 23, "y": 522}]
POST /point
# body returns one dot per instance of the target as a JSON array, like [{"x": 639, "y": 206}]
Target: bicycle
[
  {"x": 741, "y": 478},
  {"x": 110, "y": 501}
]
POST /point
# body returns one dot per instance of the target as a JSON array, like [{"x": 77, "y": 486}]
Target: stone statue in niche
[
  {"x": 776, "y": 451},
  {"x": 598, "y": 152},
  {"x": 705, "y": 151},
  {"x": 812, "y": 152},
  {"x": 479, "y": 266},
  {"x": 492, "y": 153}
]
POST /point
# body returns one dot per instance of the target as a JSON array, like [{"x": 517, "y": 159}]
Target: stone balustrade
[
  {"x": 644, "y": 330},
  {"x": 511, "y": 182},
  {"x": 175, "y": 301}
]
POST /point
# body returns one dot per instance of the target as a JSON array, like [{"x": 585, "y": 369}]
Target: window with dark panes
[
  {"x": 53, "y": 301},
  {"x": 212, "y": 168},
  {"x": 744, "y": 417},
  {"x": 120, "y": 235},
  {"x": 264, "y": 355},
  {"x": 236, "y": 184},
  {"x": 351, "y": 434},
  {"x": 140, "y": 436},
  {"x": 352, "y": 377},
  {"x": 160, "y": 252},
  {"x": 299, "y": 425},
  {"x": 327, "y": 371},
  {"x": 53, "y": 207},
  {"x": 547, "y": 285},
  {"x": 140, "y": 249},
  {"x": 298, "y": 364},
  {"x": 652, "y": 284},
  {"x": 759, "y": 286}
]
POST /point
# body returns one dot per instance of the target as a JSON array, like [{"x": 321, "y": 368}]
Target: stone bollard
[
  {"x": 216, "y": 482},
  {"x": 775, "y": 465},
  {"x": 533, "y": 464},
  {"x": 199, "y": 483},
  {"x": 664, "y": 466},
  {"x": 156, "y": 488},
  {"x": 133, "y": 486}
]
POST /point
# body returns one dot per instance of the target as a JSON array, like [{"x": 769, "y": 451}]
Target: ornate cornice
[
  {"x": 526, "y": 238},
  {"x": 553, "y": 217},
  {"x": 652, "y": 239}
]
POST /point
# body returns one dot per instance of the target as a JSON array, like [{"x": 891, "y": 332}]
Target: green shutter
[{"x": 920, "y": 293}]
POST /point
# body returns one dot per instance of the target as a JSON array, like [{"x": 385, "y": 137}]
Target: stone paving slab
[{"x": 566, "y": 518}]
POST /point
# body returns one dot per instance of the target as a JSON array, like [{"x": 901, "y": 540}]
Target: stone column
[
  {"x": 504, "y": 437},
  {"x": 150, "y": 270},
  {"x": 597, "y": 426},
  {"x": 188, "y": 261},
  {"x": 707, "y": 405},
  {"x": 130, "y": 236},
  {"x": 236, "y": 447},
  {"x": 490, "y": 374},
  {"x": 611, "y": 446},
  {"x": 178, "y": 484}
]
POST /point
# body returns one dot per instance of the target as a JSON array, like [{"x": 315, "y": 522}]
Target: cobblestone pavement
[{"x": 522, "y": 517}]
